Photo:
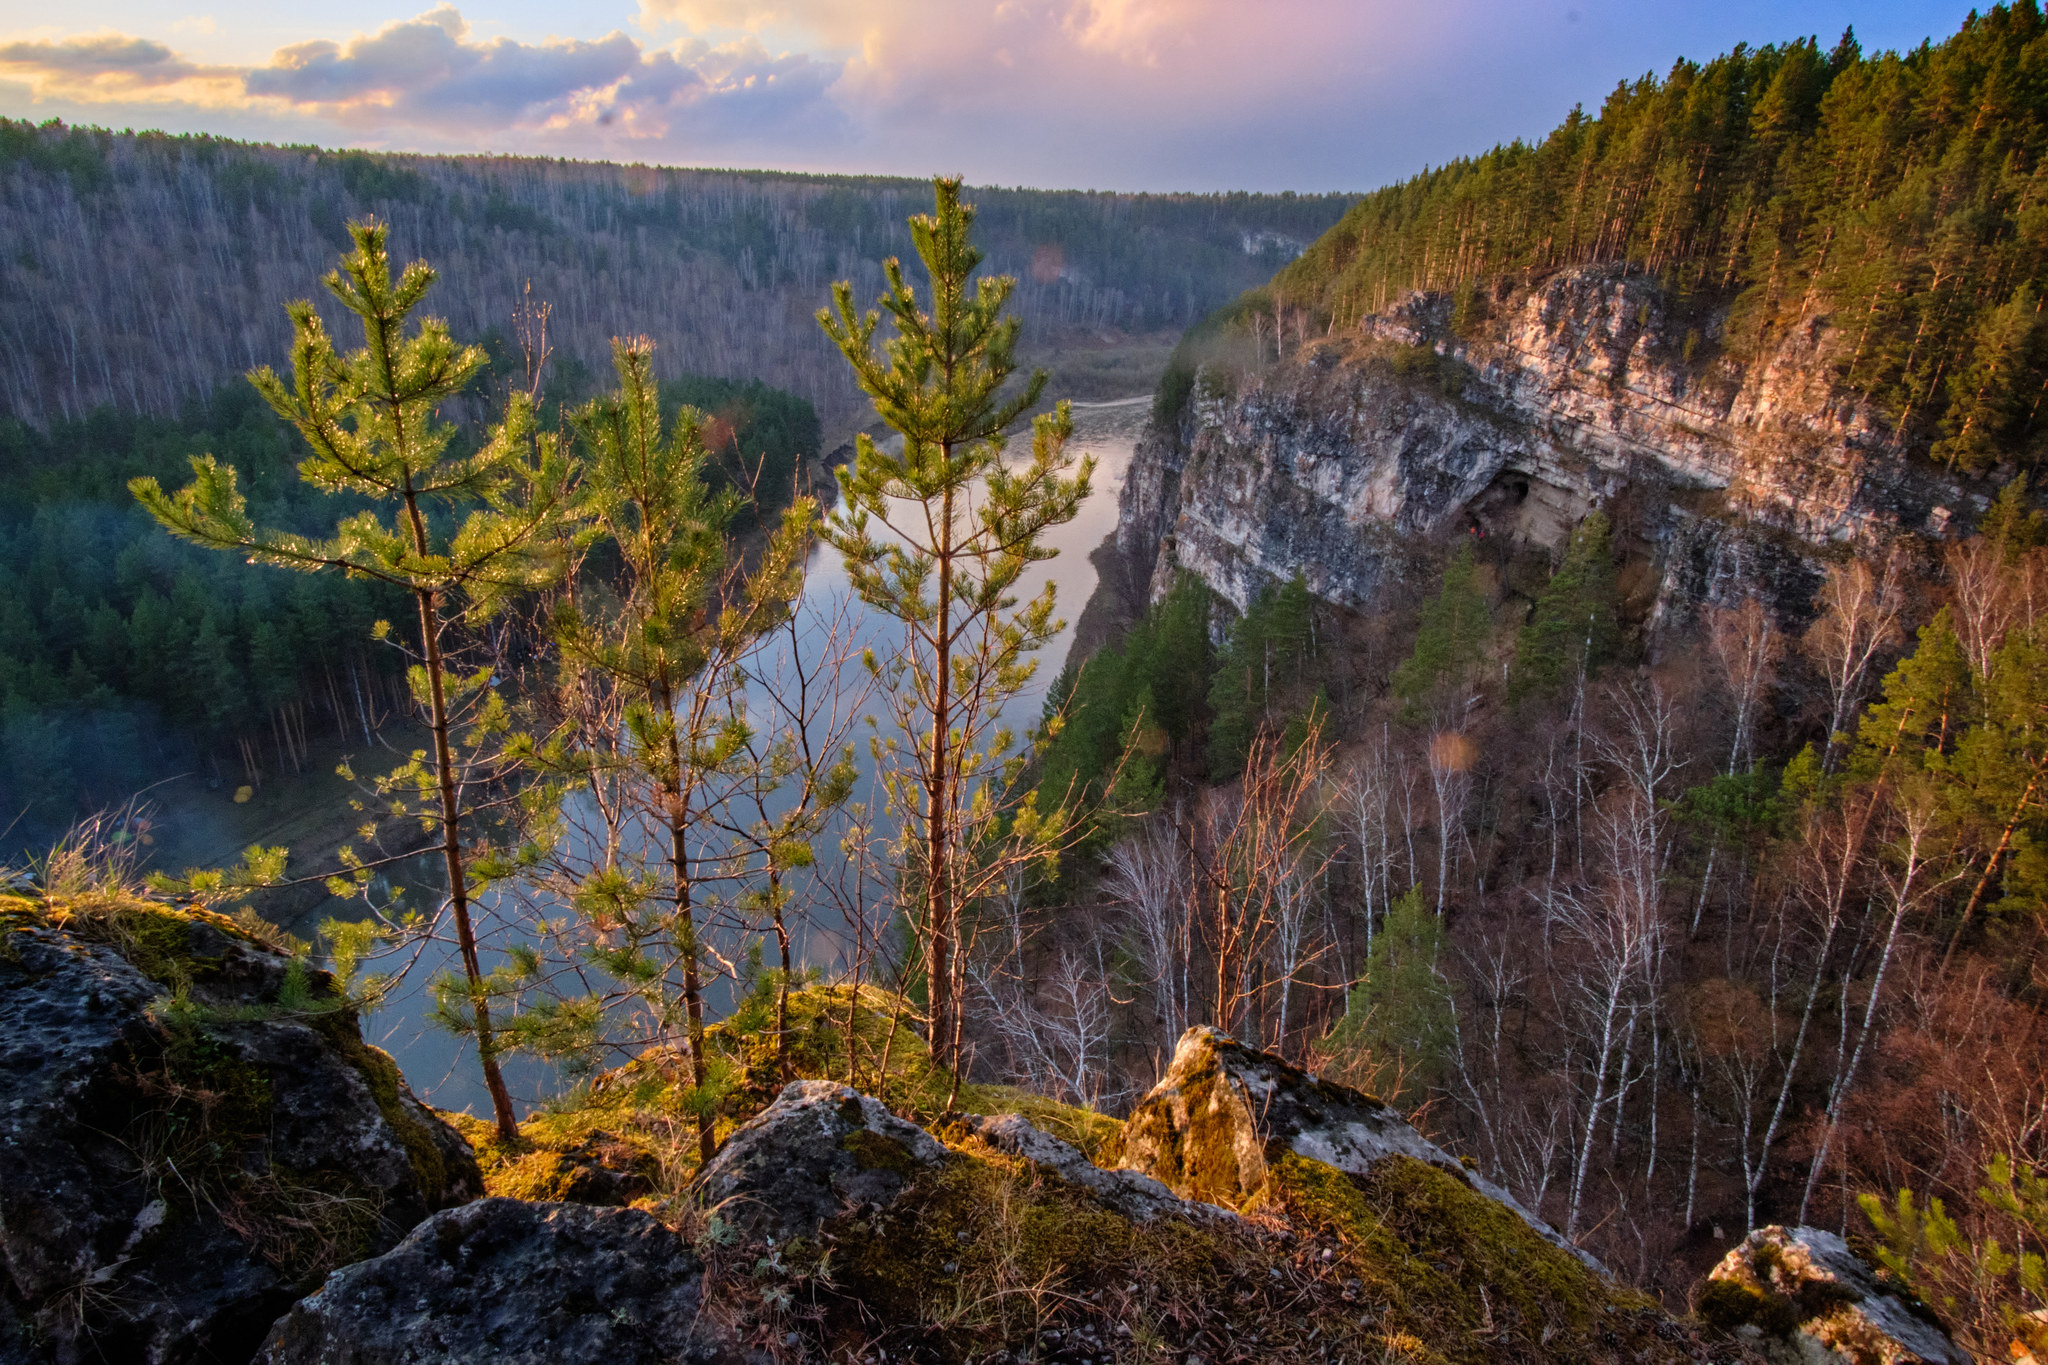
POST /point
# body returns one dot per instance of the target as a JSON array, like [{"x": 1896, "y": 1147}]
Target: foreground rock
[
  {"x": 509, "y": 1282},
  {"x": 192, "y": 1132},
  {"x": 819, "y": 1150},
  {"x": 1215, "y": 1122},
  {"x": 1806, "y": 1299},
  {"x": 846, "y": 1233},
  {"x": 1131, "y": 1193}
]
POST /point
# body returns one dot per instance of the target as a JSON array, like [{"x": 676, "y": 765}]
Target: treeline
[
  {"x": 1898, "y": 197},
  {"x": 143, "y": 270},
  {"x": 131, "y": 657}
]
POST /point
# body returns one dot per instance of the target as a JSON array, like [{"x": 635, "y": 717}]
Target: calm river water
[{"x": 442, "y": 1069}]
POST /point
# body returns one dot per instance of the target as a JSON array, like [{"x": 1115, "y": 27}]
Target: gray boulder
[
  {"x": 173, "y": 1175},
  {"x": 821, "y": 1148},
  {"x": 510, "y": 1282},
  {"x": 1224, "y": 1110},
  {"x": 1131, "y": 1193},
  {"x": 1803, "y": 1298}
]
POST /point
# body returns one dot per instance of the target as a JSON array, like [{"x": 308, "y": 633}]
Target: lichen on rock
[
  {"x": 514, "y": 1282},
  {"x": 1806, "y": 1299},
  {"x": 820, "y": 1148},
  {"x": 1223, "y": 1113}
]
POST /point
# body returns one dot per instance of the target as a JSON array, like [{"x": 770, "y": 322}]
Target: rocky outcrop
[
  {"x": 1133, "y": 1194},
  {"x": 818, "y": 1150},
  {"x": 1212, "y": 1127},
  {"x": 1804, "y": 1298},
  {"x": 192, "y": 1132},
  {"x": 829, "y": 1229},
  {"x": 1581, "y": 390},
  {"x": 512, "y": 1282}
]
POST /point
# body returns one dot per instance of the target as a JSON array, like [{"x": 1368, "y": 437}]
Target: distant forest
[
  {"x": 1901, "y": 198},
  {"x": 143, "y": 270},
  {"x": 130, "y": 656}
]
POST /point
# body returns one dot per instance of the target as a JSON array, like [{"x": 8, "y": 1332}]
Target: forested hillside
[
  {"x": 142, "y": 270},
  {"x": 1899, "y": 197},
  {"x": 1624, "y": 742}
]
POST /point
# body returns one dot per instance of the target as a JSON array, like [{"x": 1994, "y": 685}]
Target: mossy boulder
[
  {"x": 1222, "y": 1115},
  {"x": 192, "y": 1133},
  {"x": 1009, "y": 1246},
  {"x": 1135, "y": 1195},
  {"x": 1802, "y": 1297},
  {"x": 628, "y": 1134}
]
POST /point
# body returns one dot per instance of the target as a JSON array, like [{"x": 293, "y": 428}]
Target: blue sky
[{"x": 1110, "y": 94}]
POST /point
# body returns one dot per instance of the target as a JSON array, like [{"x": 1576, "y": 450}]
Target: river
[{"x": 442, "y": 1067}]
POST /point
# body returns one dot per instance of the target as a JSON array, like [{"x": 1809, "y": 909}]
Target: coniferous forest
[{"x": 1896, "y": 194}]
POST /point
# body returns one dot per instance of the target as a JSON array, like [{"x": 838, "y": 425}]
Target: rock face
[
  {"x": 183, "y": 1153},
  {"x": 509, "y": 1282},
  {"x": 818, "y": 1150},
  {"x": 1212, "y": 1126},
  {"x": 1581, "y": 390},
  {"x": 1805, "y": 1298}
]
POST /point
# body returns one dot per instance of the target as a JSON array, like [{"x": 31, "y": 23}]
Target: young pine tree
[
  {"x": 369, "y": 418},
  {"x": 669, "y": 646},
  {"x": 938, "y": 537},
  {"x": 1396, "y": 1029}
]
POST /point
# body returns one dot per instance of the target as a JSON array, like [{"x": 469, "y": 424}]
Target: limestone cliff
[{"x": 1579, "y": 391}]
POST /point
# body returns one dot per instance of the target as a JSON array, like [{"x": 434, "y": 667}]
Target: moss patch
[
  {"x": 637, "y": 1119},
  {"x": 985, "y": 1255},
  {"x": 1449, "y": 1267},
  {"x": 1728, "y": 1304},
  {"x": 380, "y": 1073},
  {"x": 1188, "y": 1140}
]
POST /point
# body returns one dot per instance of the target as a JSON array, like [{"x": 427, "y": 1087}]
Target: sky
[{"x": 1305, "y": 95}]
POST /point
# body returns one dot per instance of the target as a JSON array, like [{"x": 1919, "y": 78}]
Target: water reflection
[{"x": 442, "y": 1067}]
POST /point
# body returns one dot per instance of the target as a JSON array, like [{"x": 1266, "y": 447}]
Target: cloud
[
  {"x": 427, "y": 74},
  {"x": 1159, "y": 94},
  {"x": 426, "y": 71},
  {"x": 112, "y": 66}
]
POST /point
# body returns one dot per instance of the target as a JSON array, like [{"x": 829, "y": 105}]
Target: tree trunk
[{"x": 458, "y": 884}]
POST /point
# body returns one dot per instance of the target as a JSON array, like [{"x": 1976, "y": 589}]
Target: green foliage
[
  {"x": 79, "y": 153},
  {"x": 1972, "y": 738},
  {"x": 1740, "y": 809},
  {"x": 1259, "y": 670},
  {"x": 1396, "y": 1029},
  {"x": 1892, "y": 193},
  {"x": 2013, "y": 524},
  {"x": 104, "y": 615},
  {"x": 371, "y": 419},
  {"x": 1988, "y": 1291},
  {"x": 938, "y": 537},
  {"x": 756, "y": 437},
  {"x": 1457, "y": 629},
  {"x": 1572, "y": 630},
  {"x": 1143, "y": 699}
]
